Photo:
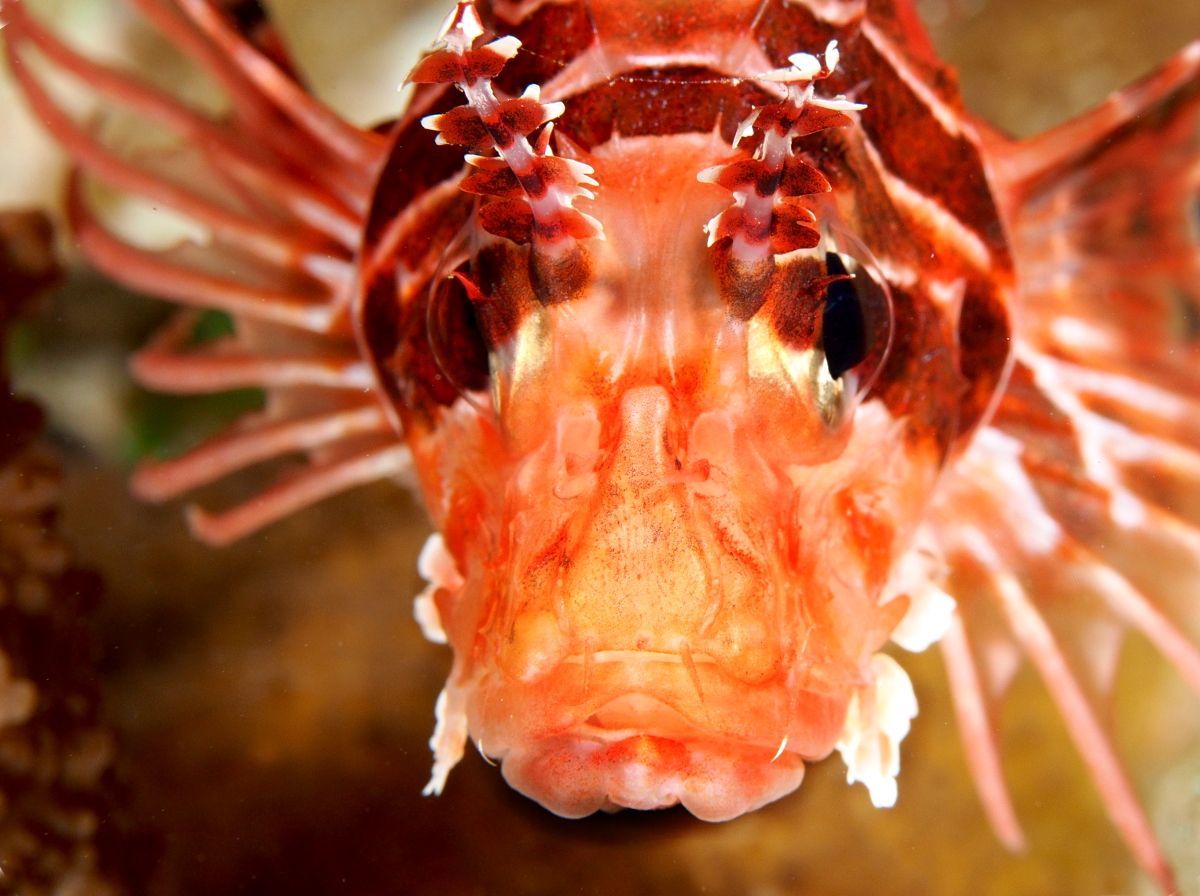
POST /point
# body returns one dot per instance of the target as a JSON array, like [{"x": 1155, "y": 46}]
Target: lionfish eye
[
  {"x": 844, "y": 331},
  {"x": 857, "y": 315},
  {"x": 856, "y": 319}
]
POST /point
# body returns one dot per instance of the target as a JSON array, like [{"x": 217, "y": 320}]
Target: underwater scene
[{"x": 257, "y": 716}]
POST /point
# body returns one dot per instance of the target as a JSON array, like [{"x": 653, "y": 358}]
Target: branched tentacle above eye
[
  {"x": 532, "y": 190},
  {"x": 767, "y": 218}
]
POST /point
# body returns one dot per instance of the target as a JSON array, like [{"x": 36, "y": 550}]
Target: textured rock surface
[{"x": 61, "y": 827}]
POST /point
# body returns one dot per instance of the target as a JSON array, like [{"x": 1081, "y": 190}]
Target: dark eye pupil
[{"x": 842, "y": 326}]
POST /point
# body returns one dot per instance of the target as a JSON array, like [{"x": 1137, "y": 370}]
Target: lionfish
[{"x": 724, "y": 347}]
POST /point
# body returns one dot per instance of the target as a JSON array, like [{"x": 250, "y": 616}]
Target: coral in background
[{"x": 61, "y": 827}]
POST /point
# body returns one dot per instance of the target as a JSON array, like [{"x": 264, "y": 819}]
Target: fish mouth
[
  {"x": 638, "y": 753},
  {"x": 647, "y": 732}
]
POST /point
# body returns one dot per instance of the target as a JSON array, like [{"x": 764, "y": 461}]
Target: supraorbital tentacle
[
  {"x": 531, "y": 191},
  {"x": 767, "y": 218}
]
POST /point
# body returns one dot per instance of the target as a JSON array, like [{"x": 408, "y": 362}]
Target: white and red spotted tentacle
[
  {"x": 279, "y": 187},
  {"x": 534, "y": 190},
  {"x": 767, "y": 218}
]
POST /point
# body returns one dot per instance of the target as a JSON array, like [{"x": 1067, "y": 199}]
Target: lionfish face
[{"x": 677, "y": 396}]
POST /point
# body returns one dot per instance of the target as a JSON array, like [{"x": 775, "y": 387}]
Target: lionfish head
[{"x": 669, "y": 495}]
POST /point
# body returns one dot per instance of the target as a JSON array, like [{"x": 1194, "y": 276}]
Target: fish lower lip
[
  {"x": 576, "y": 774},
  {"x": 638, "y": 752}
]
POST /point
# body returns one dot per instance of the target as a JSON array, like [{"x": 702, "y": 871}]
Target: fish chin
[
  {"x": 633, "y": 729},
  {"x": 652, "y": 759},
  {"x": 574, "y": 775}
]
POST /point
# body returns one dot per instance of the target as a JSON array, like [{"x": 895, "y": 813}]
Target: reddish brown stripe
[
  {"x": 915, "y": 147},
  {"x": 399, "y": 341},
  {"x": 500, "y": 270},
  {"x": 786, "y": 28},
  {"x": 797, "y": 295},
  {"x": 456, "y": 341},
  {"x": 656, "y": 102},
  {"x": 379, "y": 318},
  {"x": 984, "y": 344},
  {"x": 921, "y": 379},
  {"x": 655, "y": 26},
  {"x": 899, "y": 22},
  {"x": 550, "y": 38},
  {"x": 419, "y": 380},
  {"x": 395, "y": 327},
  {"x": 414, "y": 164}
]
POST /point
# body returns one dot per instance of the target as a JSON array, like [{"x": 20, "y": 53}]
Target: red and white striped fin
[
  {"x": 276, "y": 192},
  {"x": 1028, "y": 586},
  {"x": 1105, "y": 217},
  {"x": 1073, "y": 517}
]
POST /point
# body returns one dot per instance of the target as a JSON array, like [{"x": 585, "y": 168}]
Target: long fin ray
[
  {"x": 1072, "y": 513},
  {"x": 274, "y": 195}
]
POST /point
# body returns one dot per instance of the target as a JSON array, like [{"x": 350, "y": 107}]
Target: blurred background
[{"x": 273, "y": 700}]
